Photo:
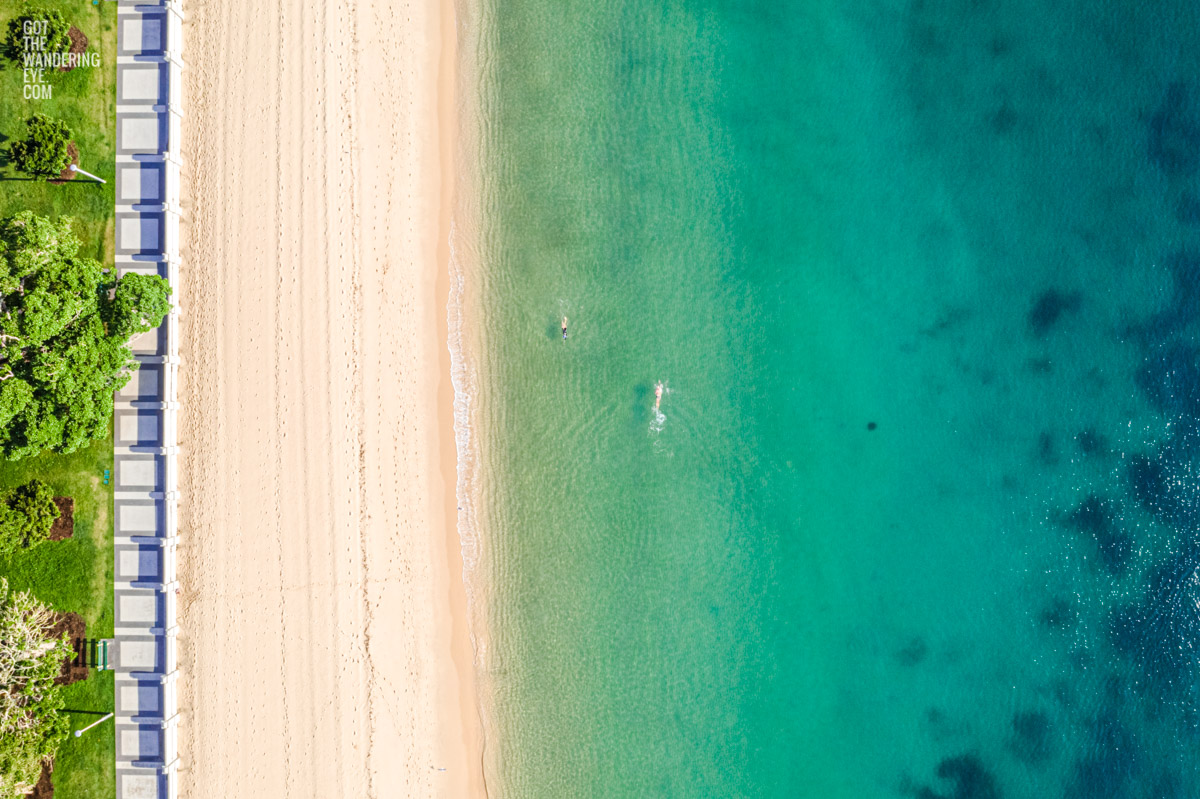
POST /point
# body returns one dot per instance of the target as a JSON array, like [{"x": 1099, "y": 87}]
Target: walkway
[{"x": 149, "y": 77}]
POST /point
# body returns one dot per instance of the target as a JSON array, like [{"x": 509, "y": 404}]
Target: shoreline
[
  {"x": 324, "y": 642},
  {"x": 463, "y": 236},
  {"x": 466, "y": 709}
]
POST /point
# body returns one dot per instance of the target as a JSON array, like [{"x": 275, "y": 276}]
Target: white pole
[
  {"x": 89, "y": 174},
  {"x": 78, "y": 733}
]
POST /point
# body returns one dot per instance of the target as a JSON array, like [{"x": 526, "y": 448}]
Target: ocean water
[{"x": 917, "y": 514}]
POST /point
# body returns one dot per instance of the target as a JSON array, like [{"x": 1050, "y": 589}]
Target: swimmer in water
[
  {"x": 564, "y": 328},
  {"x": 658, "y": 389}
]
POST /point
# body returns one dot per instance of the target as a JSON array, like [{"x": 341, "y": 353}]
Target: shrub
[
  {"x": 26, "y": 515},
  {"x": 57, "y": 35},
  {"x": 44, "y": 150}
]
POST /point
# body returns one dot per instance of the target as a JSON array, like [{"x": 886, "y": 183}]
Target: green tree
[
  {"x": 57, "y": 34},
  {"x": 26, "y": 515},
  {"x": 30, "y": 243},
  {"x": 43, "y": 151},
  {"x": 32, "y": 725},
  {"x": 64, "y": 331},
  {"x": 137, "y": 300}
]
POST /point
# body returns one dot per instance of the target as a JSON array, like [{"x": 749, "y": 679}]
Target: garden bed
[
  {"x": 64, "y": 525},
  {"x": 68, "y": 173},
  {"x": 79, "y": 44},
  {"x": 74, "y": 668}
]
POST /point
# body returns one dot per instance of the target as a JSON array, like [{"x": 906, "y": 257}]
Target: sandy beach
[{"x": 323, "y": 641}]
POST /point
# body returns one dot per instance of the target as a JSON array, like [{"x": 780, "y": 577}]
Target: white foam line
[{"x": 464, "y": 381}]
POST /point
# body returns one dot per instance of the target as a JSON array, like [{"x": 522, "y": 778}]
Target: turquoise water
[{"x": 916, "y": 517}]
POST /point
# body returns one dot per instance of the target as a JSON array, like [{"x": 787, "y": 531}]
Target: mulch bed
[
  {"x": 44, "y": 789},
  {"x": 64, "y": 525},
  {"x": 74, "y": 669},
  {"x": 67, "y": 174},
  {"x": 79, "y": 44}
]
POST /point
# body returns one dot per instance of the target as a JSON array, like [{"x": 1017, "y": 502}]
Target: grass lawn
[
  {"x": 74, "y": 575},
  {"x": 84, "y": 98}
]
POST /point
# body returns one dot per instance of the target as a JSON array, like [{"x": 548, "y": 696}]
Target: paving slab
[
  {"x": 140, "y": 183},
  {"x": 149, "y": 785},
  {"x": 138, "y": 655},
  {"x": 152, "y": 342},
  {"x": 140, "y": 698},
  {"x": 138, "y": 563},
  {"x": 137, "y": 517},
  {"x": 138, "y": 428},
  {"x": 138, "y": 472},
  {"x": 142, "y": 83},
  {"x": 139, "y": 743},
  {"x": 139, "y": 232},
  {"x": 141, "y": 34},
  {"x": 138, "y": 608},
  {"x": 144, "y": 384},
  {"x": 141, "y": 133}
]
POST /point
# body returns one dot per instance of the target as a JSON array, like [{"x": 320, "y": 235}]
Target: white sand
[{"x": 323, "y": 645}]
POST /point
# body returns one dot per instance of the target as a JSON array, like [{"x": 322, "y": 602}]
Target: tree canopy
[
  {"x": 57, "y": 33},
  {"x": 26, "y": 515},
  {"x": 139, "y": 303},
  {"x": 43, "y": 151},
  {"x": 64, "y": 331},
  {"x": 31, "y": 726}
]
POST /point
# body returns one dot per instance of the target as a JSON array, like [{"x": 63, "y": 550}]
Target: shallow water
[{"x": 917, "y": 517}]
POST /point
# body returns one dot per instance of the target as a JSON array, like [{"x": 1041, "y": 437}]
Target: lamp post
[
  {"x": 79, "y": 733},
  {"x": 75, "y": 168}
]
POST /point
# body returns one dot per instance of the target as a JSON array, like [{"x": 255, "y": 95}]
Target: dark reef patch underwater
[
  {"x": 966, "y": 778},
  {"x": 1050, "y": 306},
  {"x": 1122, "y": 692},
  {"x": 1175, "y": 131}
]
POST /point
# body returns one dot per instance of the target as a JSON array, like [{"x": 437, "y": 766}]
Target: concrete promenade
[{"x": 149, "y": 116}]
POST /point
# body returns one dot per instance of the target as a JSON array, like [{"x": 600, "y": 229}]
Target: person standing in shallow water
[
  {"x": 564, "y": 328},
  {"x": 658, "y": 389}
]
